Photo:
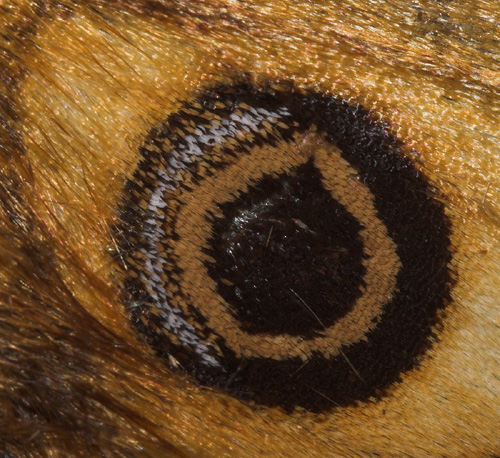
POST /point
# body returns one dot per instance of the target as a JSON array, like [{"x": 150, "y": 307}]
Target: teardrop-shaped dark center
[{"x": 288, "y": 256}]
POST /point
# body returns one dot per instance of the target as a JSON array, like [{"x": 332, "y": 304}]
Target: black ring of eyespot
[{"x": 205, "y": 138}]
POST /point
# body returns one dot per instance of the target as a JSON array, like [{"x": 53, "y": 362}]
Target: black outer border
[{"x": 415, "y": 220}]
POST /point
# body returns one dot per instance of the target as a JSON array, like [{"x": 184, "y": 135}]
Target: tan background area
[{"x": 89, "y": 85}]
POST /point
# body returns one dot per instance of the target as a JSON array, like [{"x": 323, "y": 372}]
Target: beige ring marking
[{"x": 192, "y": 225}]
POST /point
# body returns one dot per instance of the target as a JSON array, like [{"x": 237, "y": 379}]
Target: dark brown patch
[{"x": 287, "y": 255}]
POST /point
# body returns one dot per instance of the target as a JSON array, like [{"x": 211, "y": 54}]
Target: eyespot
[{"x": 279, "y": 245}]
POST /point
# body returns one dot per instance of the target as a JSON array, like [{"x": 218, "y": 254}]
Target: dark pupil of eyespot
[
  {"x": 287, "y": 255},
  {"x": 280, "y": 245}
]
